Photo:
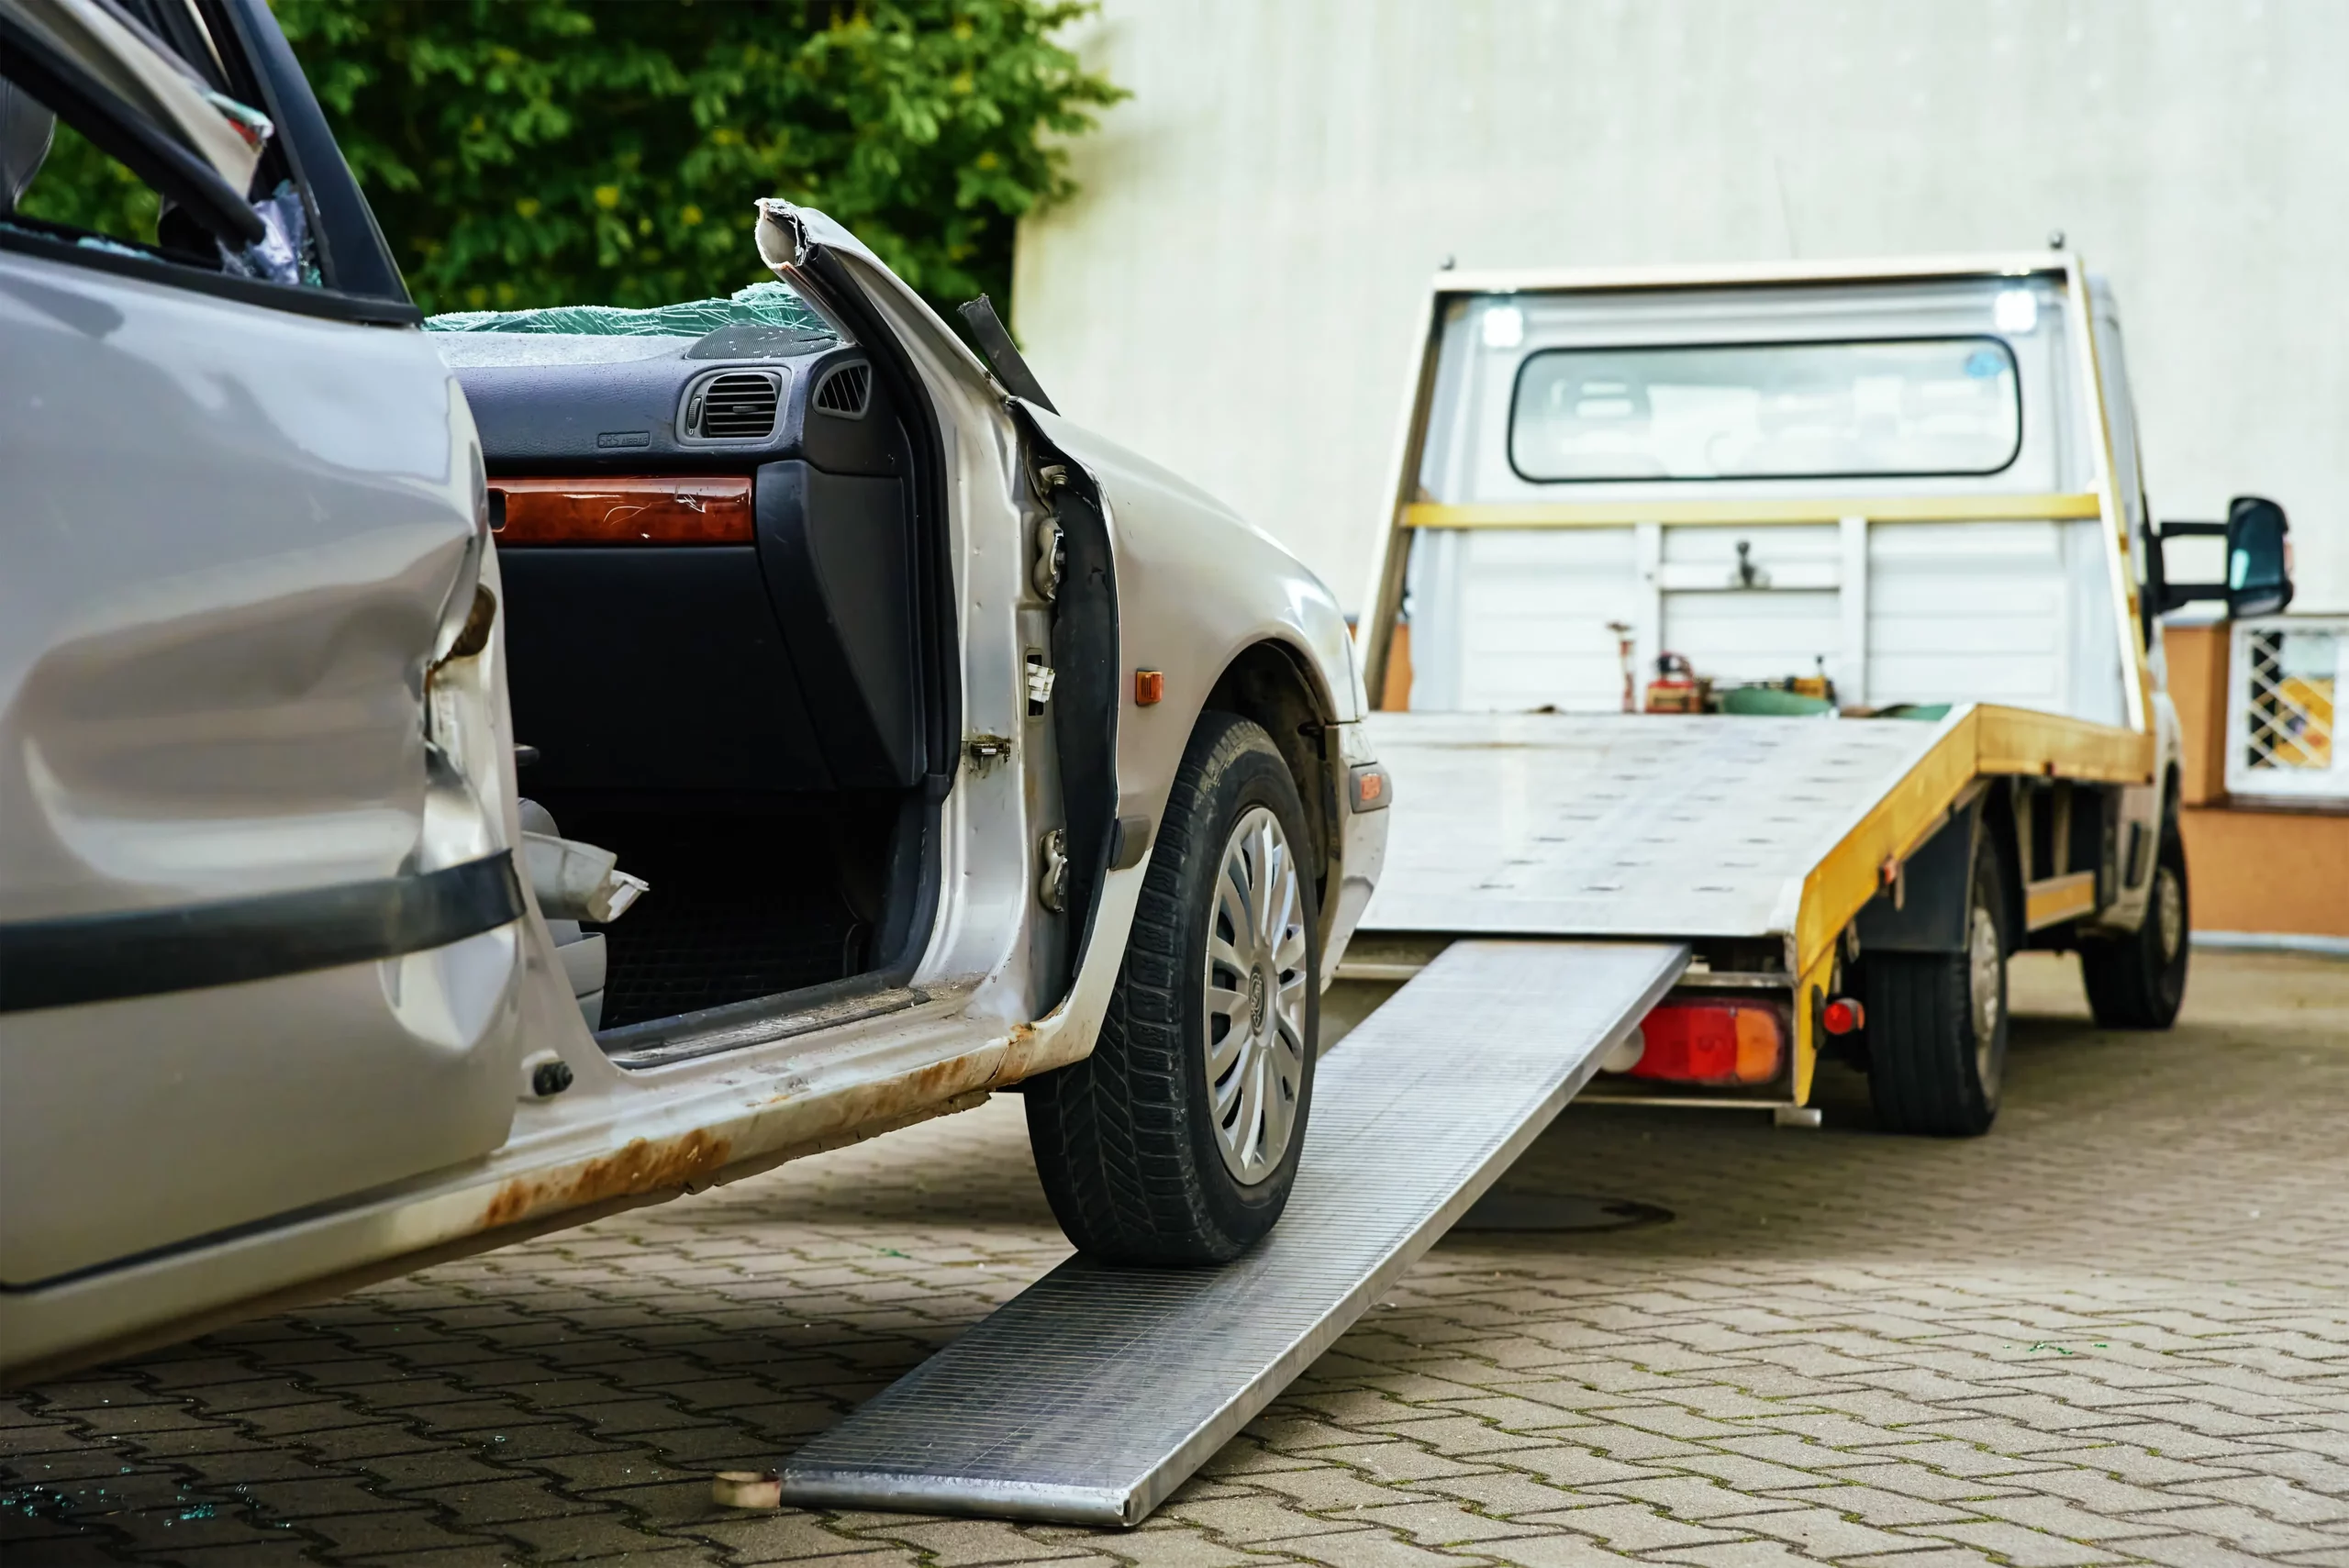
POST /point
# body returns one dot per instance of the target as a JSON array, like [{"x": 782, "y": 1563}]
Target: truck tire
[
  {"x": 1937, "y": 1022},
  {"x": 1177, "y": 1140},
  {"x": 2138, "y": 980}
]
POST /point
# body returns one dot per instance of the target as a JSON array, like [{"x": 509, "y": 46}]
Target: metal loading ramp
[{"x": 1094, "y": 1393}]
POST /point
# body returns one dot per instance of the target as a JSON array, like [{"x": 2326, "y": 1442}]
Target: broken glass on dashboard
[{"x": 766, "y": 320}]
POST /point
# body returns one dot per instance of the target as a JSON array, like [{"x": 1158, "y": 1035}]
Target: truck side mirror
[
  {"x": 2259, "y": 556},
  {"x": 2259, "y": 563}
]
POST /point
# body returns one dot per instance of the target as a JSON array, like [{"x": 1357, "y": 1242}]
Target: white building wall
[{"x": 1236, "y": 289}]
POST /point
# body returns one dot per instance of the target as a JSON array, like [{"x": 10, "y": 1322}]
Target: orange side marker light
[{"x": 1150, "y": 687}]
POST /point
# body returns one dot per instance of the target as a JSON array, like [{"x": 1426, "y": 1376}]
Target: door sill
[{"x": 762, "y": 1020}]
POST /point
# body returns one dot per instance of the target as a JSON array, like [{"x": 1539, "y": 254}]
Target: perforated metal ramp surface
[
  {"x": 1621, "y": 825},
  {"x": 1097, "y": 1391}
]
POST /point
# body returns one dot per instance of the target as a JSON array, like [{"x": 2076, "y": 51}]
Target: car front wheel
[{"x": 1177, "y": 1140}]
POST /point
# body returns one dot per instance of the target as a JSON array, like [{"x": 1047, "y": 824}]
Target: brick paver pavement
[{"x": 2116, "y": 1330}]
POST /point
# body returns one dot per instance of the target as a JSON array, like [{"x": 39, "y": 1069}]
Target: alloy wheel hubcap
[
  {"x": 1256, "y": 997},
  {"x": 1984, "y": 977},
  {"x": 2169, "y": 909}
]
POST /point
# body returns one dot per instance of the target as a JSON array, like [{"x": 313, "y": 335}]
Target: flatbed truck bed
[{"x": 1771, "y": 835}]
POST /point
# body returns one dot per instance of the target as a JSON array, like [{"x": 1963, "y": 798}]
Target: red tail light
[
  {"x": 1714, "y": 1043},
  {"x": 696, "y": 510}
]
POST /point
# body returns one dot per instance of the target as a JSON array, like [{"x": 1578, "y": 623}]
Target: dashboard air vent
[
  {"x": 846, "y": 390},
  {"x": 737, "y": 407}
]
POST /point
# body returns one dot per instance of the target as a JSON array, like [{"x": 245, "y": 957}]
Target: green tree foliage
[{"x": 525, "y": 152}]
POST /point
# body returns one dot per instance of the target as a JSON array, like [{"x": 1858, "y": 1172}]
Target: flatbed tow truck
[{"x": 1913, "y": 484}]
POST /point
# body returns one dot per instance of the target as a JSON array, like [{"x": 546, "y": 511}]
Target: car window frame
[
  {"x": 354, "y": 256},
  {"x": 122, "y": 127}
]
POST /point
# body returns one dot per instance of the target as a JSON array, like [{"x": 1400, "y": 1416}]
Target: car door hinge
[
  {"x": 1051, "y": 560},
  {"x": 1052, "y": 878}
]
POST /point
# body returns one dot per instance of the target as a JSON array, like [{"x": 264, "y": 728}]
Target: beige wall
[{"x": 1235, "y": 291}]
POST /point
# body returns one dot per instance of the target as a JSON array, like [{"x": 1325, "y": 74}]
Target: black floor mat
[{"x": 733, "y": 914}]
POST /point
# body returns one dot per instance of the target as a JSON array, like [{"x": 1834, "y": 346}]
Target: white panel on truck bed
[{"x": 1621, "y": 825}]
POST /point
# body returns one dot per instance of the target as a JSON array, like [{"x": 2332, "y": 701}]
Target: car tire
[
  {"x": 2138, "y": 980},
  {"x": 1177, "y": 1140},
  {"x": 1937, "y": 1022}
]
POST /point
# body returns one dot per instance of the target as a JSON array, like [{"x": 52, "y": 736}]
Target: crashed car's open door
[
  {"x": 258, "y": 939},
  {"x": 1051, "y": 640}
]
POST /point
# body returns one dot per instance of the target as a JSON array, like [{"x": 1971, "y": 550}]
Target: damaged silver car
[{"x": 458, "y": 784}]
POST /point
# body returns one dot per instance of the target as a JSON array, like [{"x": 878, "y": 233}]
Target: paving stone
[
  {"x": 2332, "y": 1557},
  {"x": 1736, "y": 1554},
  {"x": 1569, "y": 1464},
  {"x": 2276, "y": 1497},
  {"x": 1373, "y": 1549},
  {"x": 1947, "y": 1557},
  {"x": 2059, "y": 1515},
  {"x": 360, "y": 1535},
  {"x": 1688, "y": 1497},
  {"x": 1953, "y": 1458},
  {"x": 2023, "y": 1547},
  {"x": 1628, "y": 1527},
  {"x": 1172, "y": 1548},
  {"x": 1439, "y": 1524},
  {"x": 1460, "y": 1436},
  {"x": 2127, "y": 1462},
  {"x": 963, "y": 1543},
  {"x": 1747, "y": 1473},
  {"x": 1820, "y": 1531},
  {"x": 2240, "y": 1527},
  {"x": 1922, "y": 1481},
  {"x": 1553, "y": 1551},
  {"x": 1506, "y": 1494},
  {"x": 1242, "y": 1520},
  {"x": 2043, "y": 1347},
  {"x": 1873, "y": 1506},
  {"x": 280, "y": 1552},
  {"x": 1327, "y": 1488},
  {"x": 1400, "y": 1461},
  {"x": 2194, "y": 1551},
  {"x": 318, "y": 1495}
]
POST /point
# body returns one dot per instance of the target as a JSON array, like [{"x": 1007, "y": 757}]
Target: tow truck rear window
[{"x": 1821, "y": 410}]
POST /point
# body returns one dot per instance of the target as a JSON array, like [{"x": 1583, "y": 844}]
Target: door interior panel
[{"x": 837, "y": 551}]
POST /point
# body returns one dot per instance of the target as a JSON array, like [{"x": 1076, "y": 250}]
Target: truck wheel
[
  {"x": 1937, "y": 1022},
  {"x": 2138, "y": 980},
  {"x": 1176, "y": 1141}
]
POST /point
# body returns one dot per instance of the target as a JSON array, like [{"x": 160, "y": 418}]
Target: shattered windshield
[{"x": 766, "y": 320}]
